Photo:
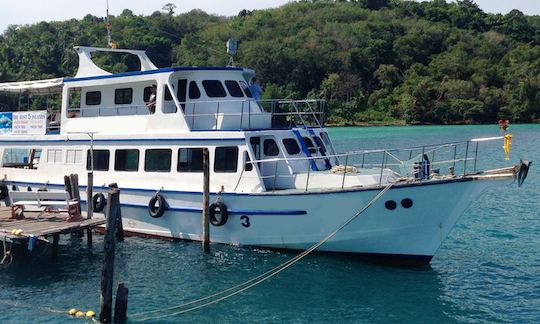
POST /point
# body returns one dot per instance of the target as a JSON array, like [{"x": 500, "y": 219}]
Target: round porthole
[
  {"x": 390, "y": 205},
  {"x": 406, "y": 203}
]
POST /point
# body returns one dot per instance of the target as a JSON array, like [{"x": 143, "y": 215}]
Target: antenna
[{"x": 109, "y": 28}]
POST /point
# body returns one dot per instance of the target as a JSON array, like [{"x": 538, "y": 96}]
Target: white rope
[
  {"x": 7, "y": 253},
  {"x": 230, "y": 292}
]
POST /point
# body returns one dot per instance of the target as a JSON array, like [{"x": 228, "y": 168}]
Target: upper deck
[{"x": 169, "y": 100}]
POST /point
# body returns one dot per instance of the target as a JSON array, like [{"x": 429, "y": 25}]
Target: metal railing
[{"x": 419, "y": 163}]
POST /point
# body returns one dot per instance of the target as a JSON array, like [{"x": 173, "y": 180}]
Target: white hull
[{"x": 297, "y": 221}]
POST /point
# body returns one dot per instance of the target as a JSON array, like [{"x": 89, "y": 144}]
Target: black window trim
[
  {"x": 190, "y": 170},
  {"x": 93, "y": 104},
  {"x": 129, "y": 149},
  {"x": 116, "y": 91},
  {"x": 157, "y": 149}
]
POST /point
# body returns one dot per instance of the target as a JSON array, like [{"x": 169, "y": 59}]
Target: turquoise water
[{"x": 488, "y": 270}]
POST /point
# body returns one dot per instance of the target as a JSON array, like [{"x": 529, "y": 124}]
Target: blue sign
[{"x": 6, "y": 122}]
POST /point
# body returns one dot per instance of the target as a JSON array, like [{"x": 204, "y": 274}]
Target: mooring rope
[
  {"x": 230, "y": 292},
  {"x": 7, "y": 259}
]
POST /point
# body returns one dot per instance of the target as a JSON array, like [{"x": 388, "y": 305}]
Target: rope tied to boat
[
  {"x": 7, "y": 259},
  {"x": 235, "y": 290}
]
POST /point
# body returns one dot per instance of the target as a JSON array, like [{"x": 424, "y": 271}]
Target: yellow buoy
[
  {"x": 90, "y": 313},
  {"x": 72, "y": 311},
  {"x": 13, "y": 231},
  {"x": 80, "y": 314},
  {"x": 19, "y": 232}
]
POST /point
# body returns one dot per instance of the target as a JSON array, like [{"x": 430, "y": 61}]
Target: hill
[{"x": 385, "y": 61}]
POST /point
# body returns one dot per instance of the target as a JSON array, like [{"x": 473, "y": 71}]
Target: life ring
[
  {"x": 98, "y": 202},
  {"x": 4, "y": 191},
  {"x": 223, "y": 211},
  {"x": 157, "y": 210}
]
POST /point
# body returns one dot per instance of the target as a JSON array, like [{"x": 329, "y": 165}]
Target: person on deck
[
  {"x": 256, "y": 89},
  {"x": 151, "y": 104}
]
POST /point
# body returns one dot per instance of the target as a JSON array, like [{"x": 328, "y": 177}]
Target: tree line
[{"x": 374, "y": 61}]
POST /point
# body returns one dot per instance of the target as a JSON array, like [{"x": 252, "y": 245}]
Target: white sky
[{"x": 32, "y": 11}]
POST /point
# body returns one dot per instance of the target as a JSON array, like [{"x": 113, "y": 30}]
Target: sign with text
[{"x": 23, "y": 123}]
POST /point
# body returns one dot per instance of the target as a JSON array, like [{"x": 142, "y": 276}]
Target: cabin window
[
  {"x": 21, "y": 158},
  {"x": 168, "y": 95},
  {"x": 234, "y": 89},
  {"x": 169, "y": 107},
  {"x": 291, "y": 145},
  {"x": 309, "y": 144},
  {"x": 270, "y": 147},
  {"x": 54, "y": 156},
  {"x": 74, "y": 156},
  {"x": 126, "y": 160},
  {"x": 226, "y": 159},
  {"x": 123, "y": 96},
  {"x": 245, "y": 87},
  {"x": 320, "y": 144},
  {"x": 194, "y": 92},
  {"x": 93, "y": 98},
  {"x": 214, "y": 89},
  {"x": 181, "y": 92},
  {"x": 147, "y": 93},
  {"x": 248, "y": 166},
  {"x": 74, "y": 109},
  {"x": 190, "y": 160},
  {"x": 101, "y": 160},
  {"x": 157, "y": 160}
]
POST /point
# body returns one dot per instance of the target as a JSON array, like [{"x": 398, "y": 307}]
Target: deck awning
[{"x": 34, "y": 87}]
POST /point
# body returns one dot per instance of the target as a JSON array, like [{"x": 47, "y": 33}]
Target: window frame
[
  {"x": 126, "y": 169},
  {"x": 158, "y": 149},
  {"x": 298, "y": 149},
  {"x": 89, "y": 163},
  {"x": 237, "y": 90},
  {"x": 117, "y": 95},
  {"x": 220, "y": 91},
  {"x": 265, "y": 147},
  {"x": 190, "y": 168},
  {"x": 218, "y": 160},
  {"x": 92, "y": 103},
  {"x": 194, "y": 86}
]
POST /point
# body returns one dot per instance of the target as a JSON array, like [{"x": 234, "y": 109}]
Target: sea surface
[{"x": 488, "y": 269}]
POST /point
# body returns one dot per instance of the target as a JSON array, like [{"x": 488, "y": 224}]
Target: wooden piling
[
  {"x": 67, "y": 186},
  {"x": 56, "y": 240},
  {"x": 121, "y": 303},
  {"x": 89, "y": 204},
  {"x": 205, "y": 200},
  {"x": 120, "y": 226},
  {"x": 107, "y": 271}
]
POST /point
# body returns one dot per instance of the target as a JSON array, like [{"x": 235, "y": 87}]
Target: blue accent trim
[
  {"x": 168, "y": 140},
  {"x": 305, "y": 149},
  {"x": 162, "y": 70},
  {"x": 269, "y": 194},
  {"x": 321, "y": 150}
]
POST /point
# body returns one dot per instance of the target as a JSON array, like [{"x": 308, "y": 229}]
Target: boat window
[
  {"x": 54, "y": 156},
  {"x": 248, "y": 166},
  {"x": 320, "y": 144},
  {"x": 93, "y": 98},
  {"x": 190, "y": 160},
  {"x": 21, "y": 158},
  {"x": 309, "y": 144},
  {"x": 74, "y": 156},
  {"x": 157, "y": 160},
  {"x": 123, "y": 96},
  {"x": 226, "y": 159},
  {"x": 147, "y": 93},
  {"x": 101, "y": 160},
  {"x": 234, "y": 89},
  {"x": 270, "y": 147},
  {"x": 245, "y": 87},
  {"x": 74, "y": 109},
  {"x": 126, "y": 160},
  {"x": 194, "y": 92},
  {"x": 169, "y": 107},
  {"x": 214, "y": 89},
  {"x": 181, "y": 92},
  {"x": 291, "y": 145}
]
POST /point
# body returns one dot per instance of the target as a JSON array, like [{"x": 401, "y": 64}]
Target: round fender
[
  {"x": 218, "y": 208},
  {"x": 3, "y": 191},
  {"x": 157, "y": 206},
  {"x": 99, "y": 201}
]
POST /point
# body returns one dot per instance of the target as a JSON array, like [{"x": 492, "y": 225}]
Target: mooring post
[
  {"x": 105, "y": 313},
  {"x": 206, "y": 198},
  {"x": 56, "y": 239},
  {"x": 67, "y": 186},
  {"x": 119, "y": 226},
  {"x": 121, "y": 303},
  {"x": 89, "y": 204},
  {"x": 74, "y": 179}
]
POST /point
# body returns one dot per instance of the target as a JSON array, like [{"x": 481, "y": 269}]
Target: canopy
[{"x": 34, "y": 87}]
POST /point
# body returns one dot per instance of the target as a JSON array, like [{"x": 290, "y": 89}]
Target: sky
[{"x": 31, "y": 11}]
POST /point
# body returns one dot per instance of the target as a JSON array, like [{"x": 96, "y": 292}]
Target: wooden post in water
[
  {"x": 120, "y": 226},
  {"x": 74, "y": 179},
  {"x": 105, "y": 313},
  {"x": 89, "y": 204},
  {"x": 205, "y": 200},
  {"x": 121, "y": 303},
  {"x": 67, "y": 186}
]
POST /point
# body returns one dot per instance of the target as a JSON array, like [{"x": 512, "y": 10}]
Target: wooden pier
[{"x": 41, "y": 225}]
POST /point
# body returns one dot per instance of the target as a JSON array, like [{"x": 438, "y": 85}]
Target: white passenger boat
[{"x": 274, "y": 170}]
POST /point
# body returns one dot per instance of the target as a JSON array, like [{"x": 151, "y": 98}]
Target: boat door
[{"x": 275, "y": 174}]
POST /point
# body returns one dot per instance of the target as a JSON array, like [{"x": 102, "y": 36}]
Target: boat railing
[
  {"x": 254, "y": 114},
  {"x": 419, "y": 163}
]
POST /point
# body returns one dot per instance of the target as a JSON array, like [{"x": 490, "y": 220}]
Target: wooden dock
[{"x": 42, "y": 225}]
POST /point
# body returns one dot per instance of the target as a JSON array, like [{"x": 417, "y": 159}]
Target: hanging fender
[
  {"x": 157, "y": 206},
  {"x": 221, "y": 208},
  {"x": 98, "y": 202}
]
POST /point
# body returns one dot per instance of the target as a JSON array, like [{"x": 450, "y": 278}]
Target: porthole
[
  {"x": 390, "y": 205},
  {"x": 29, "y": 189},
  {"x": 406, "y": 203}
]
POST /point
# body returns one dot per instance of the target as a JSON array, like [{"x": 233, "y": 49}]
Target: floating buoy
[
  {"x": 90, "y": 313},
  {"x": 16, "y": 231},
  {"x": 73, "y": 311},
  {"x": 80, "y": 314}
]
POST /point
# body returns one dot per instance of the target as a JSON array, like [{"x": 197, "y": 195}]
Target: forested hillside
[{"x": 373, "y": 60}]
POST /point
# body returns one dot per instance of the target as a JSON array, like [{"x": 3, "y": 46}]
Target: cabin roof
[{"x": 34, "y": 87}]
